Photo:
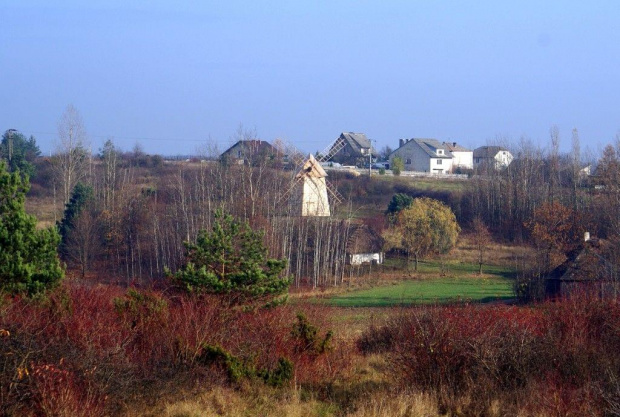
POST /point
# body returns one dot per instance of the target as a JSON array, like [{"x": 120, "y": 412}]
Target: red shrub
[{"x": 495, "y": 352}]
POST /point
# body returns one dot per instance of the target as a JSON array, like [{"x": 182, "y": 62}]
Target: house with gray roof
[
  {"x": 492, "y": 156},
  {"x": 462, "y": 157},
  {"x": 352, "y": 149},
  {"x": 423, "y": 155}
]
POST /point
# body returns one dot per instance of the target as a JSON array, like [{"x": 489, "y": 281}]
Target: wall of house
[
  {"x": 360, "y": 258},
  {"x": 414, "y": 158},
  {"x": 503, "y": 159},
  {"x": 441, "y": 165},
  {"x": 463, "y": 159}
]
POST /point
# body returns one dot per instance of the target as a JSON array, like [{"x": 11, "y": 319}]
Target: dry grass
[
  {"x": 401, "y": 405},
  {"x": 231, "y": 402},
  {"x": 495, "y": 253},
  {"x": 43, "y": 209}
]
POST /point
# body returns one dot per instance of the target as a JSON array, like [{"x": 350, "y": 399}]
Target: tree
[
  {"x": 426, "y": 226},
  {"x": 28, "y": 259},
  {"x": 482, "y": 237},
  {"x": 19, "y": 152},
  {"x": 399, "y": 202},
  {"x": 79, "y": 228},
  {"x": 384, "y": 153},
  {"x": 398, "y": 165},
  {"x": 555, "y": 230},
  {"x": 71, "y": 159},
  {"x": 231, "y": 260},
  {"x": 109, "y": 155}
]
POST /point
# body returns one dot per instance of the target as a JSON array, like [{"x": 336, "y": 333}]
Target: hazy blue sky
[{"x": 172, "y": 76}]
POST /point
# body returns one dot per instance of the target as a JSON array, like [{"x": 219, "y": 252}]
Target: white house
[
  {"x": 461, "y": 156},
  {"x": 492, "y": 156},
  {"x": 423, "y": 155}
]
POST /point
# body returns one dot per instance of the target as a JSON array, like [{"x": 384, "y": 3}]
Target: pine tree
[
  {"x": 28, "y": 259},
  {"x": 231, "y": 260}
]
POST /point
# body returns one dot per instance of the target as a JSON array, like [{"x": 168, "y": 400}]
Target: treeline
[{"x": 126, "y": 215}]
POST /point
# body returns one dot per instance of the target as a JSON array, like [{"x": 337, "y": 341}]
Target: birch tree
[{"x": 71, "y": 159}]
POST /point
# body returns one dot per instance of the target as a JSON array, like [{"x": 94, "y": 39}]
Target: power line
[{"x": 126, "y": 137}]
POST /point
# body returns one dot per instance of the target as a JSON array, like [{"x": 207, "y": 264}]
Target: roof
[
  {"x": 588, "y": 263},
  {"x": 362, "y": 239},
  {"x": 488, "y": 151},
  {"x": 455, "y": 147},
  {"x": 357, "y": 141},
  {"x": 430, "y": 146},
  {"x": 311, "y": 168},
  {"x": 256, "y": 145}
]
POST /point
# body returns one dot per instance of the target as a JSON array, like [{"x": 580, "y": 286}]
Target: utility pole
[
  {"x": 370, "y": 157},
  {"x": 10, "y": 143}
]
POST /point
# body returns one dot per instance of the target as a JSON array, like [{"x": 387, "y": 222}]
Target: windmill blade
[
  {"x": 289, "y": 190},
  {"x": 333, "y": 191},
  {"x": 295, "y": 157},
  {"x": 335, "y": 147}
]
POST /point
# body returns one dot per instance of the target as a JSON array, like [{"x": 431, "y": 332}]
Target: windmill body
[{"x": 310, "y": 195}]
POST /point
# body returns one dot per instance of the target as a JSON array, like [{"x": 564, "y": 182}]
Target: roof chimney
[
  {"x": 453, "y": 143},
  {"x": 401, "y": 142}
]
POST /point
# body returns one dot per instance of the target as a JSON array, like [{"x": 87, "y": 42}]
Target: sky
[{"x": 177, "y": 77}]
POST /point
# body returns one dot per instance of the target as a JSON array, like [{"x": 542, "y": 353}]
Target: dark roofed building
[
  {"x": 352, "y": 149},
  {"x": 250, "y": 152},
  {"x": 592, "y": 268}
]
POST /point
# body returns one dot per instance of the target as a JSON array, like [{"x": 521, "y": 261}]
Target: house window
[
  {"x": 238, "y": 154},
  {"x": 439, "y": 161},
  {"x": 439, "y": 151},
  {"x": 408, "y": 161}
]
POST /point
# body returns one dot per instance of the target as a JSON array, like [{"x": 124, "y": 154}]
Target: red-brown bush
[
  {"x": 565, "y": 349},
  {"x": 90, "y": 349}
]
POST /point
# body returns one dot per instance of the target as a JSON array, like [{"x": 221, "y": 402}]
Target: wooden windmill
[{"x": 310, "y": 192}]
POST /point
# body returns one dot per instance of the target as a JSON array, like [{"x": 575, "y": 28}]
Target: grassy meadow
[{"x": 428, "y": 291}]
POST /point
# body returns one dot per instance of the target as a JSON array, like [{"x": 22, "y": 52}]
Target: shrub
[{"x": 499, "y": 352}]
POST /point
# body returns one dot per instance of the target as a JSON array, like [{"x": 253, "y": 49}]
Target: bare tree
[
  {"x": 71, "y": 158},
  {"x": 482, "y": 239},
  {"x": 554, "y": 162}
]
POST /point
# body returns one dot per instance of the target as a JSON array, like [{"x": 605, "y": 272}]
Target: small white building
[
  {"x": 461, "y": 156},
  {"x": 423, "y": 155},
  {"x": 492, "y": 156},
  {"x": 363, "y": 246}
]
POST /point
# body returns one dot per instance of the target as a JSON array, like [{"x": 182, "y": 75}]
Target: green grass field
[
  {"x": 428, "y": 291},
  {"x": 460, "y": 284}
]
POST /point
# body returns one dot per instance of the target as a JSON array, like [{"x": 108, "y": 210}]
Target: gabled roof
[
  {"x": 587, "y": 263},
  {"x": 356, "y": 140},
  {"x": 311, "y": 168},
  {"x": 255, "y": 145},
  {"x": 430, "y": 145},
  {"x": 488, "y": 151},
  {"x": 455, "y": 147}
]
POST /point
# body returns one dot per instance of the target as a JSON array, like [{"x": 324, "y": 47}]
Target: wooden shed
[{"x": 592, "y": 268}]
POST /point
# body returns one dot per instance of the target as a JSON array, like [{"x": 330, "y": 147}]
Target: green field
[{"x": 426, "y": 292}]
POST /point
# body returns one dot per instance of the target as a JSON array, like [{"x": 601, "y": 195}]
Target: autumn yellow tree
[
  {"x": 427, "y": 226},
  {"x": 555, "y": 229}
]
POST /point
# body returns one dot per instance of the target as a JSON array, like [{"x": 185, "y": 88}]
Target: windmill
[{"x": 309, "y": 192}]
